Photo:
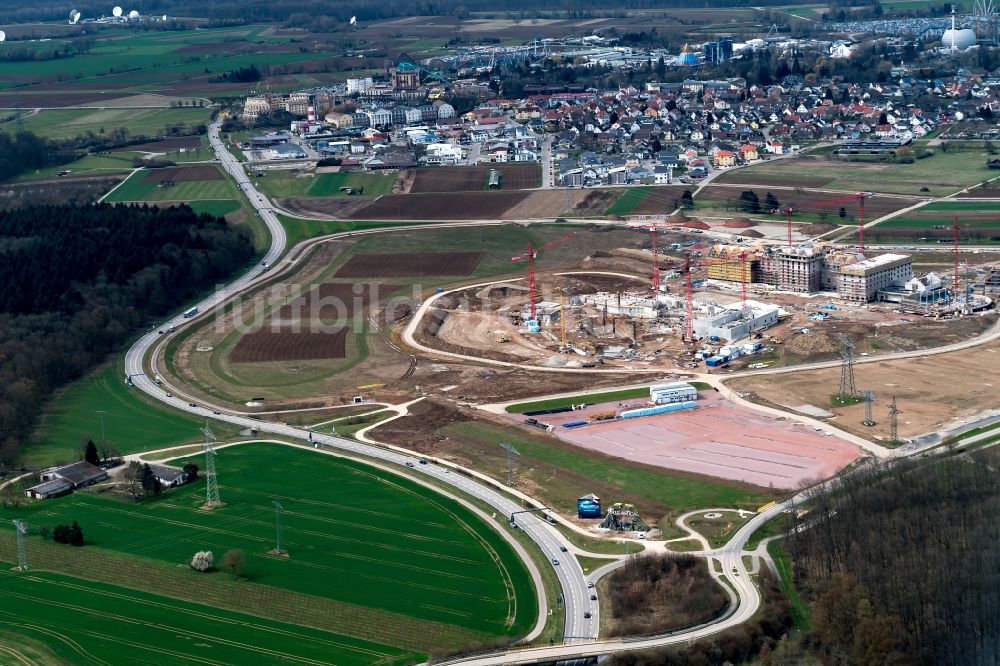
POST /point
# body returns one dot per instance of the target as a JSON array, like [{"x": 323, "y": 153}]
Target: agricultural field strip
[{"x": 95, "y": 600}]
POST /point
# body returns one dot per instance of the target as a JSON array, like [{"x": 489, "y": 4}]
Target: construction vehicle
[{"x": 774, "y": 341}]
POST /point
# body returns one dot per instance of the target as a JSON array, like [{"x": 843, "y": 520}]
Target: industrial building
[
  {"x": 861, "y": 282},
  {"x": 736, "y": 321},
  {"x": 719, "y": 51},
  {"x": 662, "y": 394}
]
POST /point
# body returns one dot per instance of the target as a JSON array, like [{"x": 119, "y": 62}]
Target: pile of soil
[
  {"x": 812, "y": 343},
  {"x": 751, "y": 233},
  {"x": 739, "y": 223},
  {"x": 696, "y": 224}
]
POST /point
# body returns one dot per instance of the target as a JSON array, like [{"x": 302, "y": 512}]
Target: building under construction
[
  {"x": 736, "y": 320},
  {"x": 809, "y": 268}
]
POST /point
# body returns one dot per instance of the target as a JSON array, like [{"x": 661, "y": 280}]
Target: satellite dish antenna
[
  {"x": 133, "y": 15},
  {"x": 354, "y": 20},
  {"x": 164, "y": 17},
  {"x": 74, "y": 16},
  {"x": 3, "y": 36},
  {"x": 116, "y": 12}
]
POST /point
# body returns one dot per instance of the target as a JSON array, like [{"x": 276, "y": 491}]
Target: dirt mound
[
  {"x": 695, "y": 224},
  {"x": 751, "y": 233},
  {"x": 817, "y": 228},
  {"x": 739, "y": 223},
  {"x": 812, "y": 343}
]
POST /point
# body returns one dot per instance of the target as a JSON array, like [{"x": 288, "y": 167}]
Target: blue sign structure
[{"x": 588, "y": 506}]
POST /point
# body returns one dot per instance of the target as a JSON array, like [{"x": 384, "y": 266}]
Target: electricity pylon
[
  {"x": 893, "y": 419},
  {"x": 847, "y": 387},
  {"x": 278, "y": 509},
  {"x": 211, "y": 482},
  {"x": 22, "y": 555},
  {"x": 869, "y": 399},
  {"x": 511, "y": 471}
]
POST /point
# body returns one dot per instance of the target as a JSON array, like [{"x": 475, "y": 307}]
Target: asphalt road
[{"x": 576, "y": 595}]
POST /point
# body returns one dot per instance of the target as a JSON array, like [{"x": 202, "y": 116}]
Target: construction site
[{"x": 680, "y": 303}]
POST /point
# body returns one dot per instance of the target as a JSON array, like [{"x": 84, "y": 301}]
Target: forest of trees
[
  {"x": 80, "y": 281},
  {"x": 902, "y": 565},
  {"x": 760, "y": 637},
  {"x": 654, "y": 594},
  {"x": 27, "y": 151}
]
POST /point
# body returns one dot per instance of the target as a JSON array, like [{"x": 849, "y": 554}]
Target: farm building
[
  {"x": 62, "y": 480},
  {"x": 736, "y": 321},
  {"x": 662, "y": 394},
  {"x": 169, "y": 477}
]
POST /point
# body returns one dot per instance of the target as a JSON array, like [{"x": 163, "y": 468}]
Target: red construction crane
[
  {"x": 656, "y": 263},
  {"x": 744, "y": 278},
  {"x": 954, "y": 236},
  {"x": 530, "y": 256},
  {"x": 858, "y": 198}
]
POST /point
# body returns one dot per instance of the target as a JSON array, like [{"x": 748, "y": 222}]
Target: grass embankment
[
  {"x": 628, "y": 201},
  {"x": 59, "y": 619},
  {"x": 405, "y": 551},
  {"x": 800, "y": 610},
  {"x": 589, "y": 398},
  {"x": 132, "y": 421}
]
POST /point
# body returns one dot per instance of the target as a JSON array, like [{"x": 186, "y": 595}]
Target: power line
[
  {"x": 893, "y": 419},
  {"x": 211, "y": 482},
  {"x": 847, "y": 387},
  {"x": 278, "y": 510},
  {"x": 22, "y": 556},
  {"x": 869, "y": 399},
  {"x": 511, "y": 471}
]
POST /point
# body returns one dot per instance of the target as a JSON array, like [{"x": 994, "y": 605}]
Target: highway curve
[{"x": 580, "y": 633}]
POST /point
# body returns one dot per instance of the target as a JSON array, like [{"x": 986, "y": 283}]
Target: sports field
[
  {"x": 355, "y": 535},
  {"x": 131, "y": 422},
  {"x": 51, "y": 618}
]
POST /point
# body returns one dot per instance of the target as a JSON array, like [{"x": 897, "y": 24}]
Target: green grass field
[
  {"x": 172, "y": 55},
  {"x": 287, "y": 184},
  {"x": 219, "y": 208},
  {"x": 941, "y": 174},
  {"x": 132, "y": 422},
  {"x": 67, "y": 123},
  {"x": 589, "y": 398},
  {"x": 59, "y": 619},
  {"x": 137, "y": 189},
  {"x": 627, "y": 202},
  {"x": 355, "y": 535},
  {"x": 90, "y": 165}
]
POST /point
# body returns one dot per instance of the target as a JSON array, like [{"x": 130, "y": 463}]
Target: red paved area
[{"x": 716, "y": 439}]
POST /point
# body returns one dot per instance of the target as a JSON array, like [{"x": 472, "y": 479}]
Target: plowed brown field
[
  {"x": 473, "y": 178},
  {"x": 284, "y": 344},
  {"x": 417, "y": 264}
]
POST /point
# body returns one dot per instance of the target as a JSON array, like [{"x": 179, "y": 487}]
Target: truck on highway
[{"x": 190, "y": 313}]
